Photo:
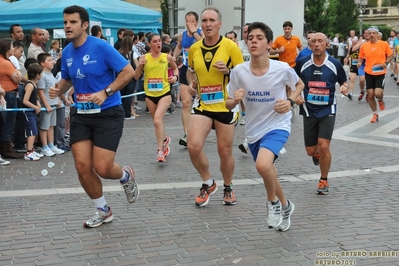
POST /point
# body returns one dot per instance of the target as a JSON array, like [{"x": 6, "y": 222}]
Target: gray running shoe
[
  {"x": 131, "y": 189},
  {"x": 286, "y": 215},
  {"x": 99, "y": 218},
  {"x": 274, "y": 218},
  {"x": 183, "y": 140}
]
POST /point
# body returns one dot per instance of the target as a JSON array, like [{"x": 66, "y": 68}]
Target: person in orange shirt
[
  {"x": 287, "y": 45},
  {"x": 377, "y": 54}
]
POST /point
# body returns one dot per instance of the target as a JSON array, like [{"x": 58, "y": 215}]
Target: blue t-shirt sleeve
[
  {"x": 341, "y": 75},
  {"x": 64, "y": 68},
  {"x": 114, "y": 60}
]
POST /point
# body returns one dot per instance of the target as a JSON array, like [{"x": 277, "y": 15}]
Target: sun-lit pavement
[{"x": 42, "y": 216}]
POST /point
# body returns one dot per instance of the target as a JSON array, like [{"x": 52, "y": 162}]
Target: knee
[
  {"x": 83, "y": 170},
  {"x": 225, "y": 153},
  {"x": 324, "y": 147},
  {"x": 263, "y": 166},
  {"x": 103, "y": 169},
  {"x": 311, "y": 151},
  {"x": 158, "y": 122},
  {"x": 194, "y": 149}
]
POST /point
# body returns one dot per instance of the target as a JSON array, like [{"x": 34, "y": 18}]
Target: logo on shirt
[
  {"x": 69, "y": 61},
  {"x": 86, "y": 60},
  {"x": 79, "y": 75},
  {"x": 317, "y": 72}
]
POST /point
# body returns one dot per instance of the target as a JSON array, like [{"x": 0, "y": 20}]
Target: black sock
[
  {"x": 227, "y": 187},
  {"x": 275, "y": 202},
  {"x": 325, "y": 179}
]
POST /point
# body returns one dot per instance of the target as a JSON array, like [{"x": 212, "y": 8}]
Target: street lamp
[{"x": 361, "y": 4}]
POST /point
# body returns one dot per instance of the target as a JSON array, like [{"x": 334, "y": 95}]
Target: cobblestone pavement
[{"x": 42, "y": 216}]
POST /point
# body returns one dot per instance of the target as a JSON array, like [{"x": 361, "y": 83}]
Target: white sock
[
  {"x": 208, "y": 182},
  {"x": 100, "y": 202}
]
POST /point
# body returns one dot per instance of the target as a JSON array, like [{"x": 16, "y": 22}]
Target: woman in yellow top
[{"x": 157, "y": 88}]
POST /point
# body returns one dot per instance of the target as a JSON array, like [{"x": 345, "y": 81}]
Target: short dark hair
[
  {"x": 120, "y": 30},
  {"x": 264, "y": 28},
  {"x": 165, "y": 37},
  {"x": 17, "y": 44},
  {"x": 29, "y": 61},
  {"x": 41, "y": 58},
  {"x": 33, "y": 70},
  {"x": 287, "y": 24},
  {"x": 310, "y": 31},
  {"x": 193, "y": 14},
  {"x": 166, "y": 49},
  {"x": 12, "y": 27},
  {"x": 83, "y": 14},
  {"x": 95, "y": 30},
  {"x": 140, "y": 34},
  {"x": 231, "y": 32}
]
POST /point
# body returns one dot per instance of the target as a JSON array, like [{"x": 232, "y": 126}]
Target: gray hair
[{"x": 213, "y": 9}]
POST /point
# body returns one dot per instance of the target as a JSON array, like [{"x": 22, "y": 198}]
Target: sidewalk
[{"x": 42, "y": 217}]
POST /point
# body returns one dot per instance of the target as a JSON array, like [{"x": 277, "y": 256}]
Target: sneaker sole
[
  {"x": 322, "y": 192},
  {"x": 278, "y": 224},
  {"x": 183, "y": 143},
  {"x": 289, "y": 221},
  {"x": 229, "y": 203},
  {"x": 207, "y": 201},
  {"x": 242, "y": 148},
  {"x": 108, "y": 220}
]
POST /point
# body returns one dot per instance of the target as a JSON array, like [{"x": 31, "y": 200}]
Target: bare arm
[
  {"x": 178, "y": 48},
  {"x": 16, "y": 77}
]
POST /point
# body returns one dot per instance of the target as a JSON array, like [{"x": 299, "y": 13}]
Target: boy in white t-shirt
[{"x": 260, "y": 84}]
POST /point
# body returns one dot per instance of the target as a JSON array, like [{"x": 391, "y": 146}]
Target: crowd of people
[{"x": 218, "y": 82}]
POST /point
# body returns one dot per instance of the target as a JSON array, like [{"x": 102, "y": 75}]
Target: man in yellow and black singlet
[{"x": 210, "y": 62}]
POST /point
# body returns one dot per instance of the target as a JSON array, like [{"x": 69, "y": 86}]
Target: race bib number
[
  {"x": 185, "y": 51},
  {"x": 83, "y": 106},
  {"x": 354, "y": 62},
  {"x": 318, "y": 96},
  {"x": 155, "y": 84},
  {"x": 377, "y": 68},
  {"x": 212, "y": 94}
]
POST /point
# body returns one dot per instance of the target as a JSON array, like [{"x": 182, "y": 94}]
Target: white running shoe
[
  {"x": 274, "y": 217},
  {"x": 47, "y": 152},
  {"x": 31, "y": 157},
  {"x": 38, "y": 154},
  {"x": 57, "y": 151}
]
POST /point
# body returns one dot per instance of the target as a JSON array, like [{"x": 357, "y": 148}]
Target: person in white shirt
[{"x": 261, "y": 85}]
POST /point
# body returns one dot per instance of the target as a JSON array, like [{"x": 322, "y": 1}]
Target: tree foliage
[
  {"x": 372, "y": 3},
  {"x": 335, "y": 16},
  {"x": 165, "y": 15},
  {"x": 390, "y": 3}
]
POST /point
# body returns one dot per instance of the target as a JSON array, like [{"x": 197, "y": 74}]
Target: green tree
[
  {"x": 343, "y": 16},
  {"x": 315, "y": 15},
  {"x": 372, "y": 3},
  {"x": 165, "y": 16},
  {"x": 390, "y": 3}
]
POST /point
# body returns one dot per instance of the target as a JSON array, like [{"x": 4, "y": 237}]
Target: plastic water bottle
[
  {"x": 44, "y": 172},
  {"x": 50, "y": 164}
]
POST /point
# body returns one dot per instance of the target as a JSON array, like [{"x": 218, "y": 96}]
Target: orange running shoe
[
  {"x": 205, "y": 193},
  {"x": 381, "y": 103},
  {"x": 323, "y": 187},
  {"x": 229, "y": 198},
  {"x": 161, "y": 156},
  {"x": 374, "y": 119}
]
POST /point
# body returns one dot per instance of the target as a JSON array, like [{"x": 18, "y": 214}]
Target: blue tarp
[{"x": 48, "y": 14}]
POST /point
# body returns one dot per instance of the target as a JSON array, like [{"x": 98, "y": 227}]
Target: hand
[
  {"x": 359, "y": 65},
  {"x": 98, "y": 97},
  {"x": 281, "y": 49},
  {"x": 239, "y": 95},
  {"x": 282, "y": 106},
  {"x": 49, "y": 109},
  {"x": 191, "y": 26},
  {"x": 53, "y": 92},
  {"x": 192, "y": 88},
  {"x": 142, "y": 60},
  {"x": 68, "y": 102},
  {"x": 344, "y": 90},
  {"x": 172, "y": 79},
  {"x": 37, "y": 110},
  {"x": 221, "y": 66},
  {"x": 3, "y": 102},
  {"x": 299, "y": 100}
]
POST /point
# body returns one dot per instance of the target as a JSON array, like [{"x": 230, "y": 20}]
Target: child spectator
[
  {"x": 55, "y": 50},
  {"x": 30, "y": 101},
  {"x": 47, "y": 119}
]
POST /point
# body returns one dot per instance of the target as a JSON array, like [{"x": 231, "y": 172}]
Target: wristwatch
[
  {"x": 109, "y": 91},
  {"x": 291, "y": 101}
]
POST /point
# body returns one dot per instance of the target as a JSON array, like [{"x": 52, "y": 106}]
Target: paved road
[{"x": 41, "y": 217}]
